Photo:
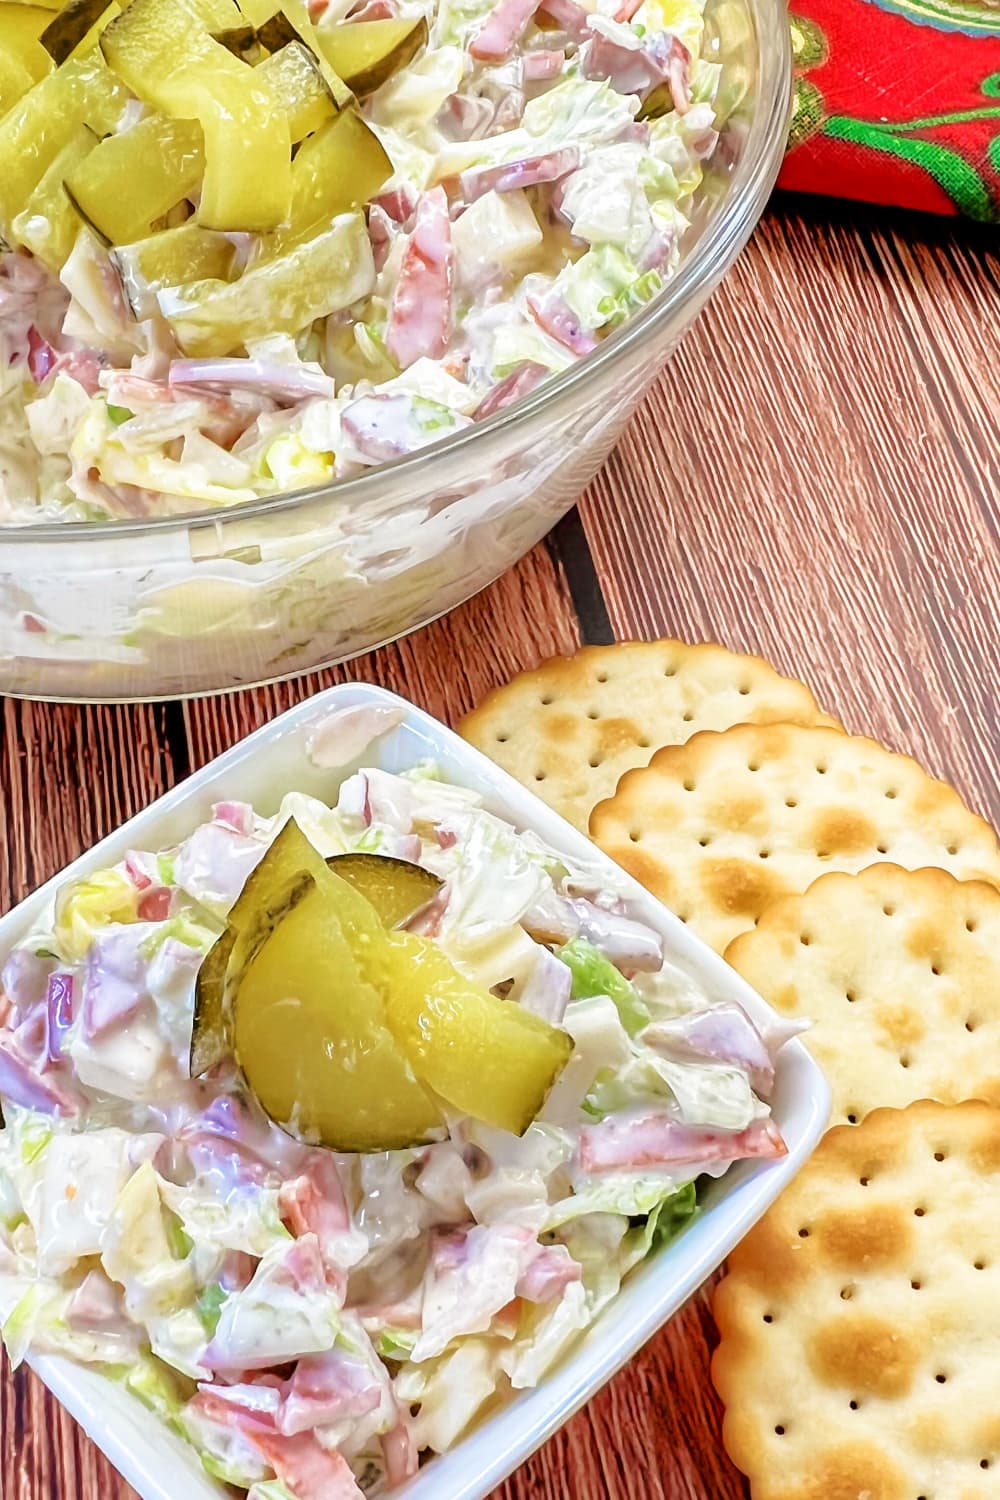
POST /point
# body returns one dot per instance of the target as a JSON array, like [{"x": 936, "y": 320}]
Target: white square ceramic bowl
[{"x": 260, "y": 770}]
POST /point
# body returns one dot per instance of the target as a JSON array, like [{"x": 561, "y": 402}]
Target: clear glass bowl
[{"x": 212, "y": 601}]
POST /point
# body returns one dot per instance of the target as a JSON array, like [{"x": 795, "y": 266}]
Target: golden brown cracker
[
  {"x": 899, "y": 971},
  {"x": 573, "y": 726},
  {"x": 860, "y": 1319},
  {"x": 731, "y": 821}
]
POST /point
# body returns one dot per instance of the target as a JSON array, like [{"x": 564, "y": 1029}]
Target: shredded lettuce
[{"x": 593, "y": 974}]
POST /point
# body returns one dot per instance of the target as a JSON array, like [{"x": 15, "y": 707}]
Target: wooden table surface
[{"x": 816, "y": 477}]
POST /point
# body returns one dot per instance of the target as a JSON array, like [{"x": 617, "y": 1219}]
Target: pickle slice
[
  {"x": 20, "y": 29},
  {"x": 313, "y": 1047},
  {"x": 161, "y": 160},
  {"x": 366, "y": 54},
  {"x": 83, "y": 91},
  {"x": 276, "y": 28},
  {"x": 72, "y": 26},
  {"x": 339, "y": 168},
  {"x": 165, "y": 259},
  {"x": 300, "y": 89},
  {"x": 15, "y": 81},
  {"x": 239, "y": 40},
  {"x": 394, "y": 887},
  {"x": 49, "y": 223},
  {"x": 211, "y": 1040},
  {"x": 283, "y": 295},
  {"x": 171, "y": 62},
  {"x": 280, "y": 879},
  {"x": 486, "y": 1057}
]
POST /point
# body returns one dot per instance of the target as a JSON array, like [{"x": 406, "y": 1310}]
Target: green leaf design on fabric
[
  {"x": 807, "y": 113},
  {"x": 952, "y": 172}
]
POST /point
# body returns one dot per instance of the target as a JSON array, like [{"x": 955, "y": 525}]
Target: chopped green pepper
[
  {"x": 282, "y": 295},
  {"x": 166, "y": 57},
  {"x": 161, "y": 160},
  {"x": 49, "y": 224}
]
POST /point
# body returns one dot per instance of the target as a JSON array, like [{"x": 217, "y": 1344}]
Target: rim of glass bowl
[{"x": 715, "y": 249}]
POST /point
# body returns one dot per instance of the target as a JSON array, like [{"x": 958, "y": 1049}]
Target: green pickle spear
[
  {"x": 83, "y": 91},
  {"x": 49, "y": 224},
  {"x": 170, "y": 61},
  {"x": 281, "y": 295},
  {"x": 312, "y": 1044},
  {"x": 366, "y": 54},
  {"x": 75, "y": 27},
  {"x": 162, "y": 161},
  {"x": 23, "y": 59}
]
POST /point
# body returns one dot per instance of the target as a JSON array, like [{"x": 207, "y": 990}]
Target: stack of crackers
[{"x": 860, "y": 1320}]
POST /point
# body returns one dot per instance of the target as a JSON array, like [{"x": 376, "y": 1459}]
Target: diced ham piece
[
  {"x": 22, "y": 1086},
  {"x": 722, "y": 1033},
  {"x": 659, "y": 1141},
  {"x": 238, "y": 816},
  {"x": 539, "y": 65},
  {"x": 59, "y": 1003},
  {"x": 327, "y": 1388},
  {"x": 137, "y": 875},
  {"x": 502, "y": 29},
  {"x": 398, "y": 204},
  {"x": 661, "y": 58},
  {"x": 567, "y": 14},
  {"x": 41, "y": 356},
  {"x": 547, "y": 166},
  {"x": 627, "y": 10},
  {"x": 154, "y": 906},
  {"x": 548, "y": 1274},
  {"x": 399, "y": 1451},
  {"x": 114, "y": 980},
  {"x": 555, "y": 316},
  {"x": 420, "y": 313},
  {"x": 314, "y": 1203},
  {"x": 310, "y": 1471},
  {"x": 520, "y": 382}
]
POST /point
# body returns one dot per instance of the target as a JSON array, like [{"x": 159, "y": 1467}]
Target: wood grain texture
[{"x": 815, "y": 478}]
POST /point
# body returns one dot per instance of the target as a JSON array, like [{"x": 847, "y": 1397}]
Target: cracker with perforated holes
[
  {"x": 729, "y": 822},
  {"x": 573, "y": 726},
  {"x": 860, "y": 1319},
  {"x": 899, "y": 971}
]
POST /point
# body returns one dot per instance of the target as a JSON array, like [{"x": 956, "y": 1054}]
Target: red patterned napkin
[{"x": 898, "y": 102}]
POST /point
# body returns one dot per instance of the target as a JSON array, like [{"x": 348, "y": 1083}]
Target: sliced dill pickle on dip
[
  {"x": 49, "y": 224},
  {"x": 348, "y": 1033},
  {"x": 282, "y": 295},
  {"x": 162, "y": 161},
  {"x": 394, "y": 887},
  {"x": 171, "y": 62},
  {"x": 163, "y": 260},
  {"x": 83, "y": 91},
  {"x": 339, "y": 168},
  {"x": 487, "y": 1057},
  {"x": 309, "y": 1036},
  {"x": 366, "y": 54}
]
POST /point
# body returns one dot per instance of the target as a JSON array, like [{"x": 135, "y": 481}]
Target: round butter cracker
[
  {"x": 860, "y": 1319},
  {"x": 899, "y": 971},
  {"x": 722, "y": 826},
  {"x": 574, "y": 725}
]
